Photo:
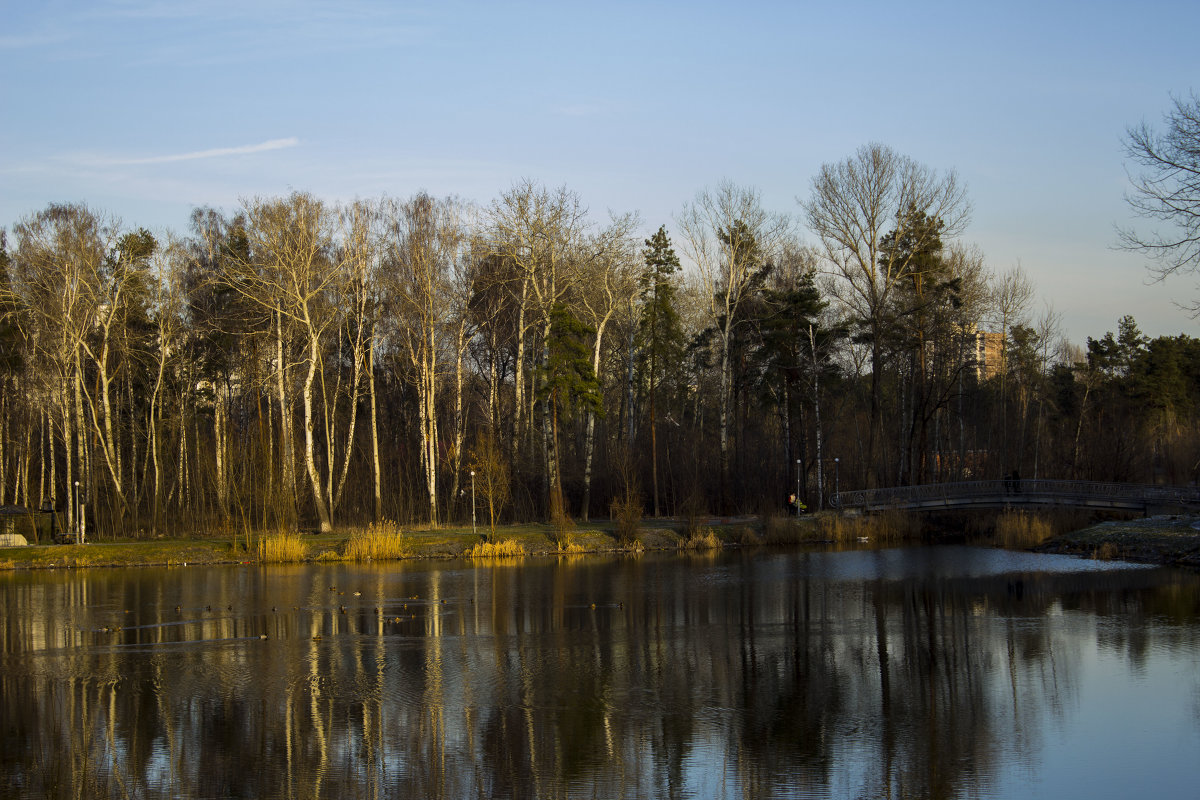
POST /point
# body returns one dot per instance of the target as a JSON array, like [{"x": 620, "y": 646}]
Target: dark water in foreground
[{"x": 938, "y": 672}]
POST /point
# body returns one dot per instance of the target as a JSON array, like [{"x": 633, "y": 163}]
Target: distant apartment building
[{"x": 986, "y": 353}]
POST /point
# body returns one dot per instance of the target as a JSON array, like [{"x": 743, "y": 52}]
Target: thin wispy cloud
[
  {"x": 196, "y": 155},
  {"x": 30, "y": 40}
]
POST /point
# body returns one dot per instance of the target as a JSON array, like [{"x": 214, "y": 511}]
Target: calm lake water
[{"x": 918, "y": 672}]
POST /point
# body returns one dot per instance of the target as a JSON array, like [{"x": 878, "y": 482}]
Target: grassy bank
[
  {"x": 375, "y": 543},
  {"x": 389, "y": 542},
  {"x": 1168, "y": 539}
]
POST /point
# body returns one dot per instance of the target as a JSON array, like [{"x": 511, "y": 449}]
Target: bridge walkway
[{"x": 1019, "y": 494}]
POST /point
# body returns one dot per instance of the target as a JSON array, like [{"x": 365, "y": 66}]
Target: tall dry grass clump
[
  {"x": 747, "y": 536},
  {"x": 882, "y": 528},
  {"x": 379, "y": 542},
  {"x": 1020, "y": 529},
  {"x": 281, "y": 548},
  {"x": 701, "y": 539},
  {"x": 839, "y": 528},
  {"x": 785, "y": 530},
  {"x": 503, "y": 548},
  {"x": 896, "y": 526}
]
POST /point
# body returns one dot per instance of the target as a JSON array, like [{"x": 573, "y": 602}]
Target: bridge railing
[{"x": 1047, "y": 489}]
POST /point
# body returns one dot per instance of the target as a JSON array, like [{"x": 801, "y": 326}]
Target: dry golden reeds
[
  {"x": 702, "y": 539},
  {"x": 380, "y": 541},
  {"x": 281, "y": 548},
  {"x": 881, "y": 528},
  {"x": 497, "y": 549},
  {"x": 784, "y": 530}
]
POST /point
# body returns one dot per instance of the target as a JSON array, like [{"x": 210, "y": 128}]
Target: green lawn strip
[
  {"x": 162, "y": 552},
  {"x": 447, "y": 542}
]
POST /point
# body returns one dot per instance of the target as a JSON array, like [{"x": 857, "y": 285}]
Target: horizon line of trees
[{"x": 300, "y": 363}]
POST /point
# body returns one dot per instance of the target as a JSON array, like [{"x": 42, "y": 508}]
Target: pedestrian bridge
[{"x": 1020, "y": 494}]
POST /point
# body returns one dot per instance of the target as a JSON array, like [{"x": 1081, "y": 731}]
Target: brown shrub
[{"x": 627, "y": 513}]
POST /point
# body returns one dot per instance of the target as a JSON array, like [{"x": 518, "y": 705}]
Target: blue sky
[{"x": 145, "y": 109}]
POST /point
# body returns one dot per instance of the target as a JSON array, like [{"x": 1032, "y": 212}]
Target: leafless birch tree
[
  {"x": 424, "y": 240},
  {"x": 289, "y": 271},
  {"x": 57, "y": 264}
]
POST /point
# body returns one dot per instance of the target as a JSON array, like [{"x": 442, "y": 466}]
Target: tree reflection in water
[{"x": 896, "y": 673}]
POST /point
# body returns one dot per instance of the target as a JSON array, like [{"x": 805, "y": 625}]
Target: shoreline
[
  {"x": 446, "y": 543},
  {"x": 1168, "y": 540}
]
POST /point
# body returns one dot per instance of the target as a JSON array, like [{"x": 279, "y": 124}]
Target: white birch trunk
[
  {"x": 375, "y": 435},
  {"x": 460, "y": 348},
  {"x": 355, "y": 382},
  {"x": 287, "y": 454},
  {"x": 79, "y": 449},
  {"x": 310, "y": 461},
  {"x": 589, "y": 436},
  {"x": 220, "y": 435}
]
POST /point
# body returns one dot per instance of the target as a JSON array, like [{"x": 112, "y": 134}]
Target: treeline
[{"x": 300, "y": 363}]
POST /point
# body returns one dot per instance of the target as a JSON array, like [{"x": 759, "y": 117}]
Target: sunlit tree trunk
[
  {"x": 459, "y": 427},
  {"x": 608, "y": 281},
  {"x": 221, "y": 449},
  {"x": 310, "y": 461},
  {"x": 351, "y": 426},
  {"x": 287, "y": 500},
  {"x": 375, "y": 467},
  {"x": 80, "y": 453},
  {"x": 24, "y": 477}
]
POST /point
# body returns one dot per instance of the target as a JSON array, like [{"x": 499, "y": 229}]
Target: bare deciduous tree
[
  {"x": 853, "y": 205},
  {"x": 608, "y": 283},
  {"x": 538, "y": 231},
  {"x": 728, "y": 236},
  {"x": 57, "y": 266},
  {"x": 424, "y": 242},
  {"x": 289, "y": 271},
  {"x": 1167, "y": 190}
]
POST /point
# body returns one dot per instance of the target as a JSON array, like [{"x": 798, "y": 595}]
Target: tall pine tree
[{"x": 661, "y": 336}]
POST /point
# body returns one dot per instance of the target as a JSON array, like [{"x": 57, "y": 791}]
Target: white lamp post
[
  {"x": 78, "y": 517},
  {"x": 837, "y": 483},
  {"x": 473, "y": 531}
]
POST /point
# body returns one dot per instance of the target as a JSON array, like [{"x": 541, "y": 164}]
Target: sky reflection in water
[{"x": 935, "y": 672}]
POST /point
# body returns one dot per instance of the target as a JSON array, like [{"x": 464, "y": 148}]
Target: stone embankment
[{"x": 1170, "y": 539}]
